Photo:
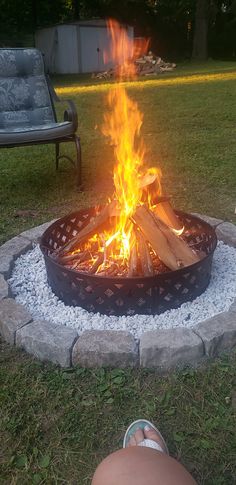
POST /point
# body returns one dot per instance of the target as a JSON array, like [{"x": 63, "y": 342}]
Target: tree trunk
[
  {"x": 200, "y": 30},
  {"x": 76, "y": 9},
  {"x": 34, "y": 15}
]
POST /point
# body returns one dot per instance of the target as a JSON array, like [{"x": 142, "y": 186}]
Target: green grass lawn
[
  {"x": 189, "y": 130},
  {"x": 57, "y": 425}
]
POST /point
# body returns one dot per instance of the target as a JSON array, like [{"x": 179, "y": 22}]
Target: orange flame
[
  {"x": 111, "y": 251},
  {"x": 122, "y": 126},
  {"x": 141, "y": 45},
  {"x": 121, "y": 51}
]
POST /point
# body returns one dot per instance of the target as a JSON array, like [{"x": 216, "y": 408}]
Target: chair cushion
[
  {"x": 19, "y": 62},
  {"x": 35, "y": 134},
  {"x": 24, "y": 93}
]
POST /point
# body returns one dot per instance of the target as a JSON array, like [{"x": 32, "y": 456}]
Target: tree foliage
[{"x": 170, "y": 23}]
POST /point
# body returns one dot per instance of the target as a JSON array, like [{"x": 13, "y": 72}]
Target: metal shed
[{"x": 76, "y": 47}]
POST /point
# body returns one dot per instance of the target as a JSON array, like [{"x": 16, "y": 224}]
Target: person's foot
[{"x": 147, "y": 433}]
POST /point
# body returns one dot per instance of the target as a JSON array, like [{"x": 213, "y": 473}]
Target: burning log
[
  {"x": 144, "y": 256},
  {"x": 165, "y": 212},
  {"x": 133, "y": 259},
  {"x": 77, "y": 257},
  {"x": 89, "y": 230},
  {"x": 97, "y": 263},
  {"x": 163, "y": 209},
  {"x": 171, "y": 249},
  {"x": 111, "y": 271}
]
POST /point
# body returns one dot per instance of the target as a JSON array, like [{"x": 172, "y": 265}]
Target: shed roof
[{"x": 83, "y": 23}]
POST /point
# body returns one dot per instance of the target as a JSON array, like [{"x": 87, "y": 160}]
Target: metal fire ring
[{"x": 107, "y": 295}]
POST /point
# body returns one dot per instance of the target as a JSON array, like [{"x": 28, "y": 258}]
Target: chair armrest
[
  {"x": 70, "y": 114},
  {"x": 52, "y": 91}
]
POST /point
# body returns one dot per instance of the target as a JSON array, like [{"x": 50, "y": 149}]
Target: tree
[
  {"x": 177, "y": 28},
  {"x": 200, "y": 51},
  {"x": 222, "y": 30}
]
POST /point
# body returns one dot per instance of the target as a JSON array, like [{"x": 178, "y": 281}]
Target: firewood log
[
  {"x": 77, "y": 257},
  {"x": 113, "y": 270},
  {"x": 144, "y": 256},
  {"x": 165, "y": 212},
  {"x": 151, "y": 187},
  {"x": 163, "y": 209},
  {"x": 171, "y": 249},
  {"x": 133, "y": 259},
  {"x": 89, "y": 230},
  {"x": 97, "y": 263}
]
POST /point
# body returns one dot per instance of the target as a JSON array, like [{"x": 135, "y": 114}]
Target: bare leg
[{"x": 136, "y": 465}]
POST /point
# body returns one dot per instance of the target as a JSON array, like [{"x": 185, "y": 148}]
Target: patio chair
[{"x": 27, "y": 111}]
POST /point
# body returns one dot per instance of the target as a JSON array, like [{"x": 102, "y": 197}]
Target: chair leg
[
  {"x": 78, "y": 160},
  {"x": 57, "y": 155}
]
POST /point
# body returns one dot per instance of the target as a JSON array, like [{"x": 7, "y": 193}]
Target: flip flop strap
[{"x": 151, "y": 444}]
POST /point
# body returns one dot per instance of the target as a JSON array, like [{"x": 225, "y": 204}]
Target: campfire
[
  {"x": 137, "y": 235},
  {"x": 141, "y": 242},
  {"x": 137, "y": 232}
]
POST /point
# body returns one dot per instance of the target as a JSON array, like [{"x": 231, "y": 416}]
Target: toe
[
  {"x": 139, "y": 435},
  {"x": 132, "y": 441},
  {"x": 151, "y": 434}
]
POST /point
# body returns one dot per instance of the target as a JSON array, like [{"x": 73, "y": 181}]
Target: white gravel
[{"x": 29, "y": 285}]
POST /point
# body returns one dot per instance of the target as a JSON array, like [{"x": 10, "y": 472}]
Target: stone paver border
[{"x": 160, "y": 349}]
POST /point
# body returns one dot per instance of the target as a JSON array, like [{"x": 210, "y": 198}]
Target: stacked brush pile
[{"x": 146, "y": 65}]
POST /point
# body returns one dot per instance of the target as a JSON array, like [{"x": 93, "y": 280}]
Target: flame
[
  {"x": 122, "y": 124},
  {"x": 121, "y": 51},
  {"x": 118, "y": 244},
  {"x": 178, "y": 232},
  {"x": 141, "y": 45}
]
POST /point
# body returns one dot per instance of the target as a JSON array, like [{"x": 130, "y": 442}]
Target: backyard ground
[{"x": 56, "y": 425}]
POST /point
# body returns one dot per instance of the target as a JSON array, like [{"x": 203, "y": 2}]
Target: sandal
[{"x": 140, "y": 424}]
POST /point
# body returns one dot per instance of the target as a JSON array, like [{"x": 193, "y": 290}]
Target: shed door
[
  {"x": 89, "y": 52},
  {"x": 93, "y": 41},
  {"x": 67, "y": 56}
]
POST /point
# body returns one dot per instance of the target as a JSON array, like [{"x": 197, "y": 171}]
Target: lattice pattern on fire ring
[
  {"x": 65, "y": 229},
  {"x": 196, "y": 233},
  {"x": 154, "y": 295},
  {"x": 128, "y": 296}
]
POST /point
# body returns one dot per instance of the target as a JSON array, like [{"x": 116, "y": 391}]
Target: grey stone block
[
  {"x": 211, "y": 220},
  {"x": 4, "y": 288},
  {"x": 166, "y": 349},
  {"x": 105, "y": 348},
  {"x": 47, "y": 341},
  {"x": 11, "y": 250},
  {"x": 35, "y": 233},
  {"x": 218, "y": 333},
  {"x": 226, "y": 232},
  {"x": 12, "y": 317}
]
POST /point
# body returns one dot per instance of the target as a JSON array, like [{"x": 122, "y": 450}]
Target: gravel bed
[{"x": 28, "y": 283}]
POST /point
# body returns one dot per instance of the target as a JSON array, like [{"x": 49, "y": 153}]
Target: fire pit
[
  {"x": 135, "y": 257},
  {"x": 135, "y": 254},
  {"x": 127, "y": 295}
]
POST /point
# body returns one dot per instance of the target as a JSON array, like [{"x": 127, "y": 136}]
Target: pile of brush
[{"x": 146, "y": 65}]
